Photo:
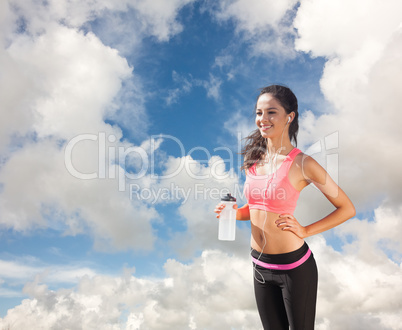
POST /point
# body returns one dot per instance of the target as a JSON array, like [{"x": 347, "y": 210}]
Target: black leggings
[{"x": 286, "y": 297}]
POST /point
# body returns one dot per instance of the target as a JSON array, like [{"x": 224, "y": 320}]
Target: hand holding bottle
[
  {"x": 227, "y": 218},
  {"x": 221, "y": 206}
]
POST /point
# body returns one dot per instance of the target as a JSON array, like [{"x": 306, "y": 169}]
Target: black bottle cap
[{"x": 228, "y": 198}]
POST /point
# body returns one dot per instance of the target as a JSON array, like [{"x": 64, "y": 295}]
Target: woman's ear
[{"x": 291, "y": 116}]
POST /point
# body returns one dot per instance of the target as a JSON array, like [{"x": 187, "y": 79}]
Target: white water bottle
[{"x": 227, "y": 219}]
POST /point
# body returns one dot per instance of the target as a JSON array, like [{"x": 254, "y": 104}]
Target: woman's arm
[
  {"x": 344, "y": 211},
  {"x": 315, "y": 173},
  {"x": 243, "y": 213}
]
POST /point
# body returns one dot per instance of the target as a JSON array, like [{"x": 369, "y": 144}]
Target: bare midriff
[{"x": 276, "y": 240}]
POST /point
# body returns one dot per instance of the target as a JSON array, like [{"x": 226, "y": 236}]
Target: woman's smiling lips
[{"x": 265, "y": 127}]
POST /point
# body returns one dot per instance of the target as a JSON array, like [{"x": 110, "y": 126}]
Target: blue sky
[{"x": 184, "y": 75}]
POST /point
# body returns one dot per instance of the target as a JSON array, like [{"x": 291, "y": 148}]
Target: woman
[{"x": 285, "y": 272}]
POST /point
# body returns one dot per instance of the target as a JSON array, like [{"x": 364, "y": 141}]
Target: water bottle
[{"x": 227, "y": 219}]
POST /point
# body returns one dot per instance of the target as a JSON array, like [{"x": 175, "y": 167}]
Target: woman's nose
[{"x": 265, "y": 117}]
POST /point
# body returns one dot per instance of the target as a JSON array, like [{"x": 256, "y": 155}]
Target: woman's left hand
[{"x": 289, "y": 223}]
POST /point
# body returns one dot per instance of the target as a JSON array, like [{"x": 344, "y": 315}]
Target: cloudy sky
[{"x": 120, "y": 127}]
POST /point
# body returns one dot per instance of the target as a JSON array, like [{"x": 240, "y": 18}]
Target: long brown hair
[{"x": 256, "y": 145}]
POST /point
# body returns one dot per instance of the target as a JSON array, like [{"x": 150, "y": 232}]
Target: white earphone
[{"x": 288, "y": 120}]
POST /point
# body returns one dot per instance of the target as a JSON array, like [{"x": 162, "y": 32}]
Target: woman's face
[{"x": 271, "y": 117}]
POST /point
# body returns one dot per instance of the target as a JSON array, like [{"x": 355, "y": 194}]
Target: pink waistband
[{"x": 284, "y": 266}]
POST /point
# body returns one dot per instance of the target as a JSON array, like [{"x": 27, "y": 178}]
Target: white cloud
[
  {"x": 359, "y": 286},
  {"x": 21, "y": 270},
  {"x": 344, "y": 28},
  {"x": 361, "y": 79},
  {"x": 198, "y": 186},
  {"x": 215, "y": 291},
  {"x": 74, "y": 77},
  {"x": 160, "y": 16},
  {"x": 156, "y": 18},
  {"x": 223, "y": 60},
  {"x": 14, "y": 97},
  {"x": 237, "y": 123},
  {"x": 57, "y": 72},
  {"x": 15, "y": 273},
  {"x": 212, "y": 87},
  {"x": 190, "y": 296},
  {"x": 185, "y": 86},
  {"x": 355, "y": 290},
  {"x": 361, "y": 82},
  {"x": 225, "y": 64},
  {"x": 59, "y": 83},
  {"x": 46, "y": 194},
  {"x": 124, "y": 29},
  {"x": 69, "y": 82},
  {"x": 369, "y": 239},
  {"x": 5, "y": 21},
  {"x": 263, "y": 24},
  {"x": 254, "y": 16}
]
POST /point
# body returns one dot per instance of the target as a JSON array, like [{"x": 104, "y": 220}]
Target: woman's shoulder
[
  {"x": 302, "y": 157},
  {"x": 297, "y": 156},
  {"x": 309, "y": 166},
  {"x": 303, "y": 160}
]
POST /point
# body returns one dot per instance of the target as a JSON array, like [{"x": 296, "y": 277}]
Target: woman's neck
[{"x": 278, "y": 146}]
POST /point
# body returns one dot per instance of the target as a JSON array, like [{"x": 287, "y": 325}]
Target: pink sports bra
[{"x": 272, "y": 192}]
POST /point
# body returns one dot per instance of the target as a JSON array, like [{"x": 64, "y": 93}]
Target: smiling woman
[
  {"x": 285, "y": 272},
  {"x": 275, "y": 111}
]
